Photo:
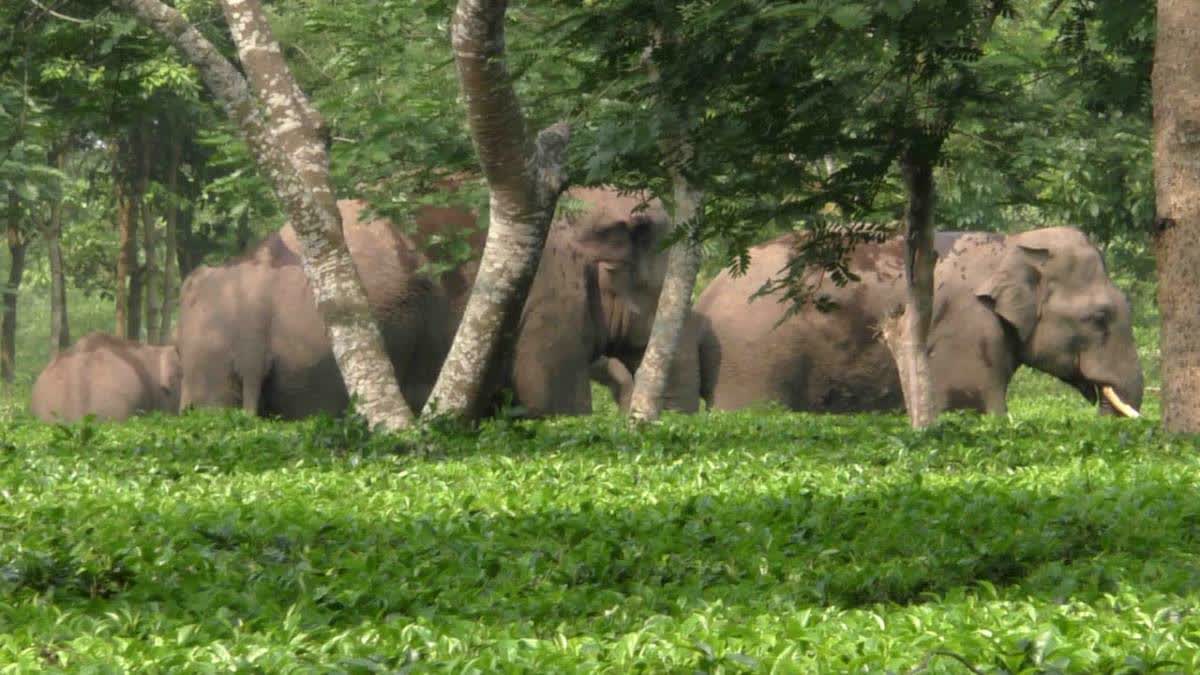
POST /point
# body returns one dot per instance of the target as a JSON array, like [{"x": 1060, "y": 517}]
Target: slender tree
[
  {"x": 289, "y": 142},
  {"x": 17, "y": 244},
  {"x": 127, "y": 238},
  {"x": 1176, "y": 87},
  {"x": 170, "y": 271},
  {"x": 525, "y": 177},
  {"x": 683, "y": 263},
  {"x": 60, "y": 328},
  {"x": 907, "y": 334},
  {"x": 151, "y": 279}
]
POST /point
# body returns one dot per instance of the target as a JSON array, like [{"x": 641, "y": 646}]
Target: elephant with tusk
[{"x": 1041, "y": 298}]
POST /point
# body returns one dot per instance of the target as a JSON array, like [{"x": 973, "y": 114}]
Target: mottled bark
[
  {"x": 675, "y": 299},
  {"x": 674, "y": 305},
  {"x": 907, "y": 334},
  {"x": 290, "y": 149},
  {"x": 16, "y": 272},
  {"x": 1176, "y": 85},
  {"x": 60, "y": 327},
  {"x": 525, "y": 180},
  {"x": 170, "y": 271}
]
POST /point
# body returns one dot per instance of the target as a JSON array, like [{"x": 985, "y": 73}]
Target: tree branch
[{"x": 525, "y": 179}]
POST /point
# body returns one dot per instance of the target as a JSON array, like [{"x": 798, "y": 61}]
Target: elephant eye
[{"x": 1100, "y": 318}]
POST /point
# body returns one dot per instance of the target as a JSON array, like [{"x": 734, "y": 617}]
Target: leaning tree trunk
[
  {"x": 289, "y": 144},
  {"x": 1176, "y": 84},
  {"x": 525, "y": 180},
  {"x": 907, "y": 334},
  {"x": 60, "y": 328},
  {"x": 675, "y": 299},
  {"x": 170, "y": 271},
  {"x": 674, "y": 305},
  {"x": 16, "y": 272}
]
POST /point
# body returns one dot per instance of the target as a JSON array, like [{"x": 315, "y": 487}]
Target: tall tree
[
  {"x": 60, "y": 327},
  {"x": 151, "y": 281},
  {"x": 288, "y": 139},
  {"x": 17, "y": 244},
  {"x": 170, "y": 272},
  {"x": 525, "y": 176},
  {"x": 127, "y": 291},
  {"x": 1176, "y": 82},
  {"x": 683, "y": 264}
]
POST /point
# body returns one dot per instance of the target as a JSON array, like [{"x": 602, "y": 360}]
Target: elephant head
[
  {"x": 618, "y": 236},
  {"x": 594, "y": 296},
  {"x": 1052, "y": 290}
]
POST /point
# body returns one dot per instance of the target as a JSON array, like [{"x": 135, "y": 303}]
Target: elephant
[
  {"x": 1040, "y": 298},
  {"x": 107, "y": 377},
  {"x": 592, "y": 304},
  {"x": 250, "y": 334}
]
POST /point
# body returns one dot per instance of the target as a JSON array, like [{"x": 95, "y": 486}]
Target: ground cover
[{"x": 758, "y": 541}]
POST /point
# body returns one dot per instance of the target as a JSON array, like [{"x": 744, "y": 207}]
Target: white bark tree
[
  {"x": 286, "y": 136},
  {"x": 526, "y": 177},
  {"x": 683, "y": 264}
]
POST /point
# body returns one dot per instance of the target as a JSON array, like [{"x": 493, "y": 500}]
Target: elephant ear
[{"x": 1012, "y": 290}]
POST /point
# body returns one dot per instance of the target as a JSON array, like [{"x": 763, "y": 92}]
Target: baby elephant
[{"x": 108, "y": 377}]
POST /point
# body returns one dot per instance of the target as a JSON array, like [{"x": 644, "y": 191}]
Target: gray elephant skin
[
  {"x": 250, "y": 334},
  {"x": 1041, "y": 298},
  {"x": 108, "y": 377},
  {"x": 592, "y": 306}
]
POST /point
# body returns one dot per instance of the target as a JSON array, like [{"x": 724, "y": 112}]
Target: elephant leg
[
  {"x": 253, "y": 380},
  {"x": 613, "y": 374}
]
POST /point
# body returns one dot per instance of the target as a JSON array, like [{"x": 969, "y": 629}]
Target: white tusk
[{"x": 1119, "y": 405}]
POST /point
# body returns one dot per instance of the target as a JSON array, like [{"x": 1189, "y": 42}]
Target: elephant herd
[{"x": 249, "y": 334}]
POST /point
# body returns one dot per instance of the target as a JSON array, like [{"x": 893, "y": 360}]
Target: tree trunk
[
  {"x": 907, "y": 334},
  {"x": 674, "y": 305},
  {"x": 152, "y": 276},
  {"x": 16, "y": 272},
  {"x": 127, "y": 237},
  {"x": 1176, "y": 83},
  {"x": 525, "y": 181},
  {"x": 133, "y": 320},
  {"x": 186, "y": 255},
  {"x": 289, "y": 144},
  {"x": 675, "y": 299},
  {"x": 170, "y": 273},
  {"x": 150, "y": 273},
  {"x": 60, "y": 329}
]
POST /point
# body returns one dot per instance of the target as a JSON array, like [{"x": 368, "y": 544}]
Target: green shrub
[{"x": 1053, "y": 541}]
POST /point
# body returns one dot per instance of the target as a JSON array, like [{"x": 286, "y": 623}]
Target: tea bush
[{"x": 1051, "y": 541}]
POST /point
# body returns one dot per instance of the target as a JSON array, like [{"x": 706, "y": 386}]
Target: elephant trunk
[{"x": 1116, "y": 385}]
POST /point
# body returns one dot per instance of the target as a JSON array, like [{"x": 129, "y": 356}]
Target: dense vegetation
[
  {"x": 1052, "y": 541},
  {"x": 1049, "y": 542}
]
